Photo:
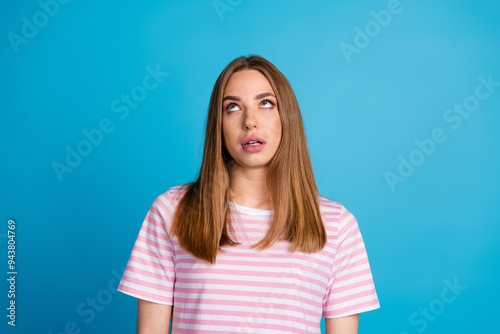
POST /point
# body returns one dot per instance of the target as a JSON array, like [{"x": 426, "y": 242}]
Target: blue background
[{"x": 362, "y": 112}]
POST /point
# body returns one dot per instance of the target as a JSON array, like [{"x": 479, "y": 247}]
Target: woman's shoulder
[
  {"x": 329, "y": 206},
  {"x": 174, "y": 194},
  {"x": 333, "y": 212},
  {"x": 336, "y": 216},
  {"x": 177, "y": 192}
]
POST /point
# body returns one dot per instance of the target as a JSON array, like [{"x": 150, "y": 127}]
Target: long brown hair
[{"x": 200, "y": 221}]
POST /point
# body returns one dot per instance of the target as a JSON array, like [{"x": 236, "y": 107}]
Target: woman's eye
[
  {"x": 232, "y": 107},
  {"x": 267, "y": 104}
]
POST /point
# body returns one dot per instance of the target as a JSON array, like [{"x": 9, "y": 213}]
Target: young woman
[{"x": 250, "y": 246}]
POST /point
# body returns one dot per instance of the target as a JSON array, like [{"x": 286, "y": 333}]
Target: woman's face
[{"x": 249, "y": 108}]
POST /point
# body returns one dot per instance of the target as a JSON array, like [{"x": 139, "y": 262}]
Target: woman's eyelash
[{"x": 266, "y": 100}]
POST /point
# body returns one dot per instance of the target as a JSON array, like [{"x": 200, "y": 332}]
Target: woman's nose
[{"x": 249, "y": 119}]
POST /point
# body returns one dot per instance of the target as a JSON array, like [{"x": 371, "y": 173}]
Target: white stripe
[
  {"x": 152, "y": 291},
  {"x": 352, "y": 302},
  {"x": 150, "y": 269},
  {"x": 363, "y": 288}
]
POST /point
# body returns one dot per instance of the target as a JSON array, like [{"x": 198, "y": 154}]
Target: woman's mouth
[{"x": 253, "y": 146}]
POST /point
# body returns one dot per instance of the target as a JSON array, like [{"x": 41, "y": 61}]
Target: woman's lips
[
  {"x": 253, "y": 148},
  {"x": 252, "y": 138}
]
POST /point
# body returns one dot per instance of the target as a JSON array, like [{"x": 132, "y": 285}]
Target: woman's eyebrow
[
  {"x": 257, "y": 97},
  {"x": 262, "y": 95},
  {"x": 229, "y": 97}
]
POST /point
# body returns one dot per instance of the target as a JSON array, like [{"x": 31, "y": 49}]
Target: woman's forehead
[{"x": 247, "y": 83}]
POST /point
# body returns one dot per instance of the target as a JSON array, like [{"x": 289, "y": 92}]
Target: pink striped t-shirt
[{"x": 247, "y": 291}]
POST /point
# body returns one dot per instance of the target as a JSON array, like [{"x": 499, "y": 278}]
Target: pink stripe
[
  {"x": 151, "y": 274},
  {"x": 356, "y": 295},
  {"x": 348, "y": 287},
  {"x": 160, "y": 287}
]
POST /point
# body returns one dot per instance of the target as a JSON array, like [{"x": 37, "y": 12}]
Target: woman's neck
[{"x": 248, "y": 188}]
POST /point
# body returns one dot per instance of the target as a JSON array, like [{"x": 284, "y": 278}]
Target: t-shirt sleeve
[
  {"x": 350, "y": 288},
  {"x": 150, "y": 270}
]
